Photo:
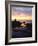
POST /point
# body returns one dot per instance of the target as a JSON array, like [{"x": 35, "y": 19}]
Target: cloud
[{"x": 23, "y": 9}]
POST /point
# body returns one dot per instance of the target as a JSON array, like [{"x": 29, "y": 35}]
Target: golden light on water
[{"x": 23, "y": 25}]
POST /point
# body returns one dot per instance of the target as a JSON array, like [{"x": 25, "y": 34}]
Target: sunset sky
[{"x": 21, "y": 13}]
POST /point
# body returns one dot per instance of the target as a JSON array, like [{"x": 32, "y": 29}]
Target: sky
[{"x": 21, "y": 13}]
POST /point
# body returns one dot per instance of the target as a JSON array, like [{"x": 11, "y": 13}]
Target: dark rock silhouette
[
  {"x": 29, "y": 24},
  {"x": 15, "y": 23},
  {"x": 18, "y": 24}
]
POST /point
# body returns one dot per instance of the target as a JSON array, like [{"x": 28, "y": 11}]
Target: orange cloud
[{"x": 21, "y": 17}]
